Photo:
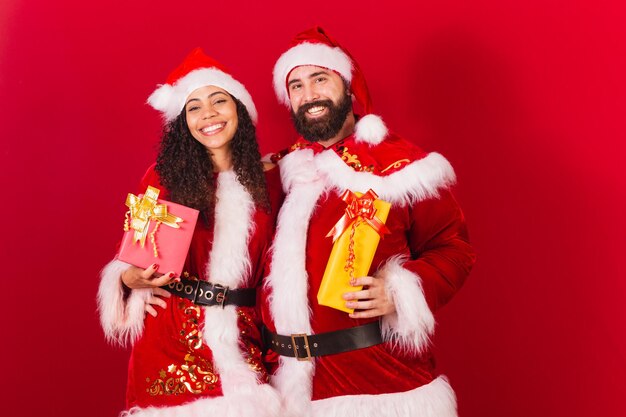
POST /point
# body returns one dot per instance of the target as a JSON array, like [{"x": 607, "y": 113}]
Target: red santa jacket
[
  {"x": 192, "y": 360},
  {"x": 424, "y": 261}
]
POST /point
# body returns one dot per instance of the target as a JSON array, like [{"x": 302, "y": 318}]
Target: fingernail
[{"x": 155, "y": 266}]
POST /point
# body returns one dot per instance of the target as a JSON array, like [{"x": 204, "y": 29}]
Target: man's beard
[{"x": 326, "y": 127}]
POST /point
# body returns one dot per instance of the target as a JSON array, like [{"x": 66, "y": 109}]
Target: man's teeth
[
  {"x": 316, "y": 109},
  {"x": 213, "y": 128}
]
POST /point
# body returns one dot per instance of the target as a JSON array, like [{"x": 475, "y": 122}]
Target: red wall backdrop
[{"x": 526, "y": 99}]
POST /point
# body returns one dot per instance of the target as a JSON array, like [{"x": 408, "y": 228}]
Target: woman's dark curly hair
[{"x": 186, "y": 169}]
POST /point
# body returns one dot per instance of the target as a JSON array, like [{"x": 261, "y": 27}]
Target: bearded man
[{"x": 375, "y": 361}]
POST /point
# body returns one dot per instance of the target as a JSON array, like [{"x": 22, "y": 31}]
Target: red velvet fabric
[
  {"x": 195, "y": 60},
  {"x": 167, "y": 338},
  {"x": 431, "y": 233}
]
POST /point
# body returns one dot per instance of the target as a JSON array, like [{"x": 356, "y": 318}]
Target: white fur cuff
[
  {"x": 410, "y": 327},
  {"x": 121, "y": 319}
]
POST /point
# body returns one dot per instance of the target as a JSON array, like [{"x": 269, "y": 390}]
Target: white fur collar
[
  {"x": 417, "y": 181},
  {"x": 229, "y": 262}
]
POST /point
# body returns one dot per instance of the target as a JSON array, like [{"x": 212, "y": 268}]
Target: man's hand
[{"x": 371, "y": 301}]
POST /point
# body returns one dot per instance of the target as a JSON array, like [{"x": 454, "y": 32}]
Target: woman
[{"x": 196, "y": 359}]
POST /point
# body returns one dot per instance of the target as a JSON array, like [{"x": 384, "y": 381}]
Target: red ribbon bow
[{"x": 362, "y": 207}]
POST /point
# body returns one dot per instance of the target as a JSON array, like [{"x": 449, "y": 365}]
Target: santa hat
[
  {"x": 316, "y": 47},
  {"x": 197, "y": 70}
]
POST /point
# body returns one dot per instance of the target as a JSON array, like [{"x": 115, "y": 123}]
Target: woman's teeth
[{"x": 212, "y": 128}]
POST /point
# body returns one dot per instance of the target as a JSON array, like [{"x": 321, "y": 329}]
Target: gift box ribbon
[
  {"x": 359, "y": 208},
  {"x": 144, "y": 210}
]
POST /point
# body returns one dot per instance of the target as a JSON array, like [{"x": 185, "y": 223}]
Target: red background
[{"x": 526, "y": 99}]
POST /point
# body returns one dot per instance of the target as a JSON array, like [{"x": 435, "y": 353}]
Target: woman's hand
[
  {"x": 134, "y": 277},
  {"x": 371, "y": 301},
  {"x": 157, "y": 300}
]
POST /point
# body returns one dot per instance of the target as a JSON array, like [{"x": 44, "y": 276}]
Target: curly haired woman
[{"x": 197, "y": 359}]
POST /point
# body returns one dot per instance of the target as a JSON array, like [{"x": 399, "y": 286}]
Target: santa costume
[
  {"x": 197, "y": 359},
  {"x": 424, "y": 260}
]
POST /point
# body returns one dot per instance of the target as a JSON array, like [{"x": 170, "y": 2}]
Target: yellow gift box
[{"x": 356, "y": 236}]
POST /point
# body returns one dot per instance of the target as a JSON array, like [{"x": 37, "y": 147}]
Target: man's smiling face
[{"x": 319, "y": 102}]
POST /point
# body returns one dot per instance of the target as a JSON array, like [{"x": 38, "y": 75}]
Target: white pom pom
[
  {"x": 161, "y": 97},
  {"x": 370, "y": 129}
]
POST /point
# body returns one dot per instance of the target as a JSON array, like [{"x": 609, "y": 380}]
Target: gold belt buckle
[
  {"x": 306, "y": 347},
  {"x": 222, "y": 292}
]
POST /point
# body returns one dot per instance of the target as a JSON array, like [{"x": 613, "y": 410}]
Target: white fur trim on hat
[
  {"x": 409, "y": 328},
  {"x": 170, "y": 99},
  {"x": 308, "y": 53},
  {"x": 370, "y": 129},
  {"x": 121, "y": 317}
]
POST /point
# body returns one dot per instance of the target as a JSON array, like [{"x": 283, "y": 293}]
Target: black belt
[
  {"x": 206, "y": 294},
  {"x": 303, "y": 346}
]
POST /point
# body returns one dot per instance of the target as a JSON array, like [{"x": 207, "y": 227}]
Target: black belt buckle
[
  {"x": 294, "y": 345},
  {"x": 221, "y": 293},
  {"x": 196, "y": 291}
]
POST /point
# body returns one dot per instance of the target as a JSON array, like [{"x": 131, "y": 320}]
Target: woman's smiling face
[{"x": 211, "y": 115}]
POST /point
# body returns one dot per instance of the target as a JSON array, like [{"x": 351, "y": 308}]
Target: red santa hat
[
  {"x": 316, "y": 47},
  {"x": 197, "y": 70}
]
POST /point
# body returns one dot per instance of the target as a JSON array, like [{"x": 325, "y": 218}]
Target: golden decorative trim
[
  {"x": 196, "y": 374},
  {"x": 352, "y": 160},
  {"x": 396, "y": 164}
]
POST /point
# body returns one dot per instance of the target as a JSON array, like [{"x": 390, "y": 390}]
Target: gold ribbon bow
[
  {"x": 358, "y": 208},
  {"x": 144, "y": 210}
]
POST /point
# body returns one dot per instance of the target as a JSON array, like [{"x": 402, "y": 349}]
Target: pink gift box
[{"x": 172, "y": 243}]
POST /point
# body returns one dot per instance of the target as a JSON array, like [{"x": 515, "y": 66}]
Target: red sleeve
[
  {"x": 274, "y": 189},
  {"x": 441, "y": 253}
]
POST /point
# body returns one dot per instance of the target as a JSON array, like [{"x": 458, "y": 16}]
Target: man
[{"x": 375, "y": 361}]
